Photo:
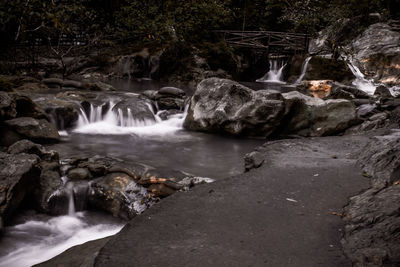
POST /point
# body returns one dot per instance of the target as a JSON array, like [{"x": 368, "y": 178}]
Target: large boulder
[
  {"x": 50, "y": 178},
  {"x": 377, "y": 53},
  {"x": 225, "y": 106},
  {"x": 40, "y": 131},
  {"x": 19, "y": 176},
  {"x": 371, "y": 235},
  {"x": 310, "y": 116}
]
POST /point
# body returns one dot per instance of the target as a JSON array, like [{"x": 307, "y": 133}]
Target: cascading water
[
  {"x": 274, "y": 75},
  {"x": 114, "y": 121},
  {"x": 303, "y": 70},
  {"x": 366, "y": 85}
]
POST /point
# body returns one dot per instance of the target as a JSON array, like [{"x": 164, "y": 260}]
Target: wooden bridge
[{"x": 272, "y": 42}]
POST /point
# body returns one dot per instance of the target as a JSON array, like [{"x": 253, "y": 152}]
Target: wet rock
[
  {"x": 377, "y": 53},
  {"x": 72, "y": 84},
  {"x": 63, "y": 114},
  {"x": 28, "y": 147},
  {"x": 7, "y": 107},
  {"x": 225, "y": 106},
  {"x": 53, "y": 82},
  {"x": 40, "y": 131},
  {"x": 166, "y": 114},
  {"x": 99, "y": 86},
  {"x": 78, "y": 174},
  {"x": 50, "y": 179},
  {"x": 161, "y": 190},
  {"x": 150, "y": 94},
  {"x": 341, "y": 91},
  {"x": 383, "y": 92},
  {"x": 49, "y": 182},
  {"x": 310, "y": 116},
  {"x": 366, "y": 110},
  {"x": 137, "y": 108},
  {"x": 253, "y": 160},
  {"x": 168, "y": 103},
  {"x": 118, "y": 194},
  {"x": 32, "y": 87},
  {"x": 19, "y": 176},
  {"x": 171, "y": 91}
]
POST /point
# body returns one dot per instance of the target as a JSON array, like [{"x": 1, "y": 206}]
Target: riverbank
[{"x": 286, "y": 212}]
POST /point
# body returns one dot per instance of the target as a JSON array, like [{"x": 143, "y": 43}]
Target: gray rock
[
  {"x": 341, "y": 91},
  {"x": 377, "y": 53},
  {"x": 36, "y": 130},
  {"x": 315, "y": 117},
  {"x": 366, "y": 110},
  {"x": 253, "y": 160},
  {"x": 137, "y": 108},
  {"x": 225, "y": 106},
  {"x": 53, "y": 82},
  {"x": 19, "y": 176},
  {"x": 381, "y": 159},
  {"x": 118, "y": 194},
  {"x": 28, "y": 147},
  {"x": 79, "y": 174},
  {"x": 27, "y": 108},
  {"x": 64, "y": 114},
  {"x": 150, "y": 94},
  {"x": 171, "y": 91},
  {"x": 7, "y": 107},
  {"x": 72, "y": 83},
  {"x": 167, "y": 103},
  {"x": 383, "y": 91},
  {"x": 99, "y": 86}
]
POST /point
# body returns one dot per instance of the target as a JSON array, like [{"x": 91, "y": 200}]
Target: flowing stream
[{"x": 33, "y": 238}]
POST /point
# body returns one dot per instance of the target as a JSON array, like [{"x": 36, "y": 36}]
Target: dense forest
[{"x": 165, "y": 21}]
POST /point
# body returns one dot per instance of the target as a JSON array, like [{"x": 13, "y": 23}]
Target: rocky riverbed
[{"x": 322, "y": 190}]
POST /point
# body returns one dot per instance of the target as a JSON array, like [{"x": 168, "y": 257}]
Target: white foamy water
[
  {"x": 303, "y": 70},
  {"x": 362, "y": 83},
  {"x": 274, "y": 75},
  {"x": 41, "y": 239},
  {"x": 114, "y": 122}
]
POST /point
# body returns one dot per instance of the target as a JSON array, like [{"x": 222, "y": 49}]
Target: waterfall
[
  {"x": 71, "y": 201},
  {"x": 274, "y": 75},
  {"x": 303, "y": 70},
  {"x": 116, "y": 121},
  {"x": 112, "y": 116},
  {"x": 362, "y": 83}
]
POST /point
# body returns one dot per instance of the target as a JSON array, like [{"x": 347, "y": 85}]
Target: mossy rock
[{"x": 321, "y": 68}]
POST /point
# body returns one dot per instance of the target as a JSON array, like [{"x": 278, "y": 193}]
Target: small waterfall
[
  {"x": 274, "y": 75},
  {"x": 362, "y": 83},
  {"x": 71, "y": 201},
  {"x": 107, "y": 119},
  {"x": 112, "y": 116},
  {"x": 303, "y": 70}
]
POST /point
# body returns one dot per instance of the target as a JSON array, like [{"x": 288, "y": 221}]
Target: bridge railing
[{"x": 267, "y": 40}]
